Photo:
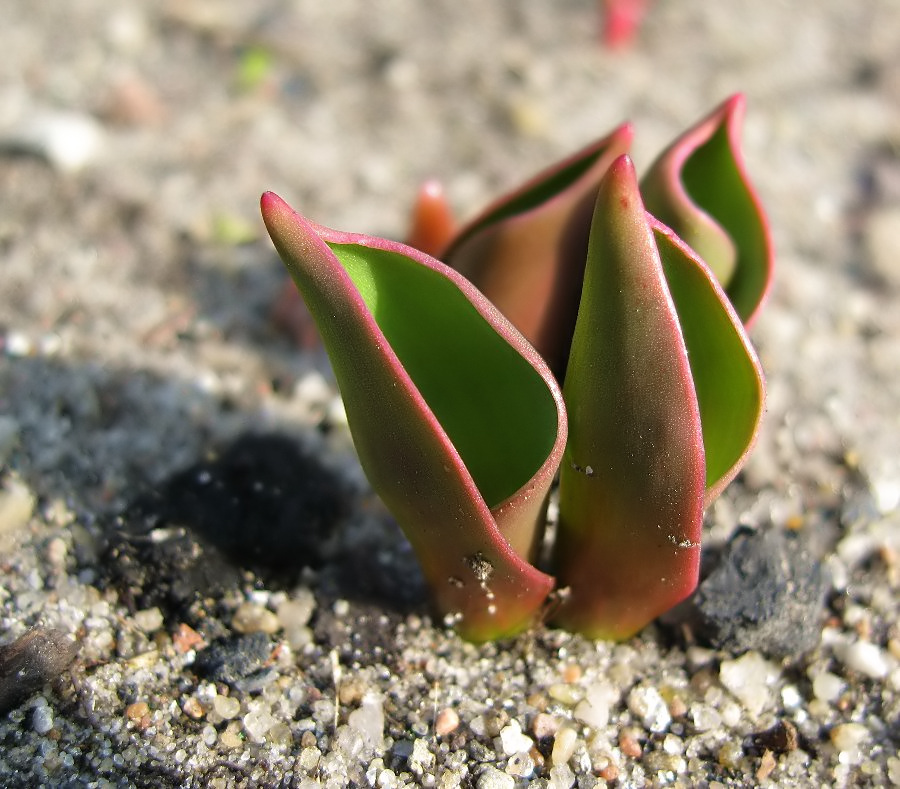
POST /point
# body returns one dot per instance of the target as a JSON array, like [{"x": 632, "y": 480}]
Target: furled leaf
[
  {"x": 457, "y": 421},
  {"x": 526, "y": 251},
  {"x": 632, "y": 477},
  {"x": 699, "y": 188},
  {"x": 727, "y": 374}
]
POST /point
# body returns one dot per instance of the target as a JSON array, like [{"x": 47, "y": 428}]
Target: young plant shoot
[{"x": 587, "y": 328}]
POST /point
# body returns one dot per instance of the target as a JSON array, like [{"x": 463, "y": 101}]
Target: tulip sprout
[{"x": 565, "y": 334}]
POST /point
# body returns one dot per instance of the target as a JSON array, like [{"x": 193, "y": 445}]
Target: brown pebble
[
  {"x": 572, "y": 673},
  {"x": 766, "y": 765},
  {"x": 193, "y": 708},
  {"x": 446, "y": 722},
  {"x": 185, "y": 638},
  {"x": 677, "y": 707},
  {"x": 30, "y": 662},
  {"x": 351, "y": 692},
  {"x": 137, "y": 710},
  {"x": 629, "y": 744},
  {"x": 608, "y": 773},
  {"x": 538, "y": 701},
  {"x": 780, "y": 738}
]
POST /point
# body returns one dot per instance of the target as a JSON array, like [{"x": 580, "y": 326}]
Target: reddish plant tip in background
[
  {"x": 621, "y": 20},
  {"x": 568, "y": 333}
]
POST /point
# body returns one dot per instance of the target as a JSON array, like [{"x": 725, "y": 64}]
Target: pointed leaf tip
[
  {"x": 700, "y": 188},
  {"x": 526, "y": 251},
  {"x": 632, "y": 477},
  {"x": 451, "y": 413}
]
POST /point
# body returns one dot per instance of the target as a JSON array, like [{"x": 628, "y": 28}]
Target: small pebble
[
  {"x": 254, "y": 618},
  {"x": 341, "y": 608},
  {"x": 594, "y": 708},
  {"x": 193, "y": 708},
  {"x": 149, "y": 620},
  {"x": 56, "y": 552},
  {"x": 231, "y": 736},
  {"x": 185, "y": 638},
  {"x": 767, "y": 765},
  {"x": 309, "y": 757},
  {"x": 492, "y": 778},
  {"x": 646, "y": 703},
  {"x": 572, "y": 673},
  {"x": 863, "y": 656},
  {"x": 569, "y": 695},
  {"x": 257, "y": 722},
  {"x": 561, "y": 777},
  {"x": 847, "y": 737},
  {"x": 629, "y": 743},
  {"x": 730, "y": 755},
  {"x": 513, "y": 741},
  {"x": 137, "y": 710},
  {"x": 42, "y": 718},
  {"x": 544, "y": 725},
  {"x": 226, "y": 707},
  {"x": 520, "y": 765},
  {"x": 827, "y": 687},
  {"x": 67, "y": 140},
  {"x": 705, "y": 718},
  {"x": 564, "y": 745},
  {"x": 368, "y": 719},
  {"x": 16, "y": 505},
  {"x": 446, "y": 722},
  {"x": 749, "y": 678}
]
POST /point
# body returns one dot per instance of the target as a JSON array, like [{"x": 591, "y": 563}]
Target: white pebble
[
  {"x": 253, "y": 618},
  {"x": 492, "y": 778},
  {"x": 561, "y": 777},
  {"x": 520, "y": 765},
  {"x": 847, "y": 738},
  {"x": 298, "y": 610},
  {"x": 646, "y": 703},
  {"x": 149, "y": 620},
  {"x": 226, "y": 707},
  {"x": 594, "y": 708},
  {"x": 422, "y": 759},
  {"x": 368, "y": 719},
  {"x": 42, "y": 718},
  {"x": 863, "y": 656},
  {"x": 749, "y": 678},
  {"x": 564, "y": 745},
  {"x": 705, "y": 718},
  {"x": 827, "y": 687},
  {"x": 67, "y": 140},
  {"x": 513, "y": 741},
  {"x": 257, "y": 722}
]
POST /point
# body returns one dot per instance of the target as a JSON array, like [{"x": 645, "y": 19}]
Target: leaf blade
[
  {"x": 472, "y": 568},
  {"x": 631, "y": 482}
]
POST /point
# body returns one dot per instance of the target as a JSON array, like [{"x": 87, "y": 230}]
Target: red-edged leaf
[
  {"x": 632, "y": 478},
  {"x": 452, "y": 413},
  {"x": 699, "y": 187},
  {"x": 526, "y": 251}
]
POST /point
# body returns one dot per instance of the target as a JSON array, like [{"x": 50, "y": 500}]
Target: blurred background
[{"x": 135, "y": 140}]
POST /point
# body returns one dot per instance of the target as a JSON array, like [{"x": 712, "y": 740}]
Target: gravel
[{"x": 139, "y": 360}]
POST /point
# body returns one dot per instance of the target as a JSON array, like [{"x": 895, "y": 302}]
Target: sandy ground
[{"x": 136, "y": 337}]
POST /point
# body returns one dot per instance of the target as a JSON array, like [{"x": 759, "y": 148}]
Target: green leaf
[
  {"x": 726, "y": 372},
  {"x": 457, "y": 421},
  {"x": 632, "y": 477},
  {"x": 526, "y": 252},
  {"x": 699, "y": 188}
]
